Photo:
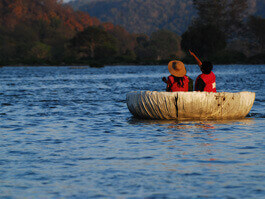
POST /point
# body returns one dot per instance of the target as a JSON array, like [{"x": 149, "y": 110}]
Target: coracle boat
[{"x": 189, "y": 105}]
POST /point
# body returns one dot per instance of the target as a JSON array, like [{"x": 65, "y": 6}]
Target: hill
[
  {"x": 17, "y": 12},
  {"x": 38, "y": 31},
  {"x": 139, "y": 16},
  {"x": 147, "y": 16}
]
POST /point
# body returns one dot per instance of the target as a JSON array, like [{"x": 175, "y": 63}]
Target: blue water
[{"x": 67, "y": 133}]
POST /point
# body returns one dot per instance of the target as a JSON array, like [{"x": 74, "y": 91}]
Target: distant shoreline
[{"x": 85, "y": 66}]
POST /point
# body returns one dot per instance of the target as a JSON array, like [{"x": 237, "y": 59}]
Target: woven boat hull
[{"x": 189, "y": 105}]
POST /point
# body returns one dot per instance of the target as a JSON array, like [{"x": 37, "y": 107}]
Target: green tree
[
  {"x": 54, "y": 34},
  {"x": 256, "y": 39},
  {"x": 144, "y": 50},
  {"x": 167, "y": 44},
  {"x": 125, "y": 44},
  {"x": 40, "y": 52},
  {"x": 94, "y": 43},
  {"x": 227, "y": 15},
  {"x": 257, "y": 28},
  {"x": 15, "y": 43},
  {"x": 206, "y": 40}
]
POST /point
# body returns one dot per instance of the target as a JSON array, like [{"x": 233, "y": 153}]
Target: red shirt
[
  {"x": 208, "y": 81},
  {"x": 173, "y": 86}
]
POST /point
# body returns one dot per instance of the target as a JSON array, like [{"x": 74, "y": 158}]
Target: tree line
[
  {"x": 47, "y": 32},
  {"x": 226, "y": 32}
]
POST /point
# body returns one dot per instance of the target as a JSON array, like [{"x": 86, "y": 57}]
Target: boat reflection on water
[
  {"x": 188, "y": 124},
  {"x": 204, "y": 131},
  {"x": 193, "y": 147}
]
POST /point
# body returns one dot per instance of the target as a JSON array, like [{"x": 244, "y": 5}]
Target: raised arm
[{"x": 197, "y": 59}]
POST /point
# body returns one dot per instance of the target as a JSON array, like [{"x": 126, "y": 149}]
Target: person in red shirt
[
  {"x": 205, "y": 81},
  {"x": 177, "y": 81}
]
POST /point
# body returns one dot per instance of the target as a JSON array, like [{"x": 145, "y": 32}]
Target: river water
[{"x": 66, "y": 132}]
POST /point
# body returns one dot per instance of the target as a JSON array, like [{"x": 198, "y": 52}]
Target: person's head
[
  {"x": 206, "y": 67},
  {"x": 177, "y": 68}
]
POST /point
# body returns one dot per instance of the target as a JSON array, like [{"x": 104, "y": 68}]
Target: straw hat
[{"x": 177, "y": 68}]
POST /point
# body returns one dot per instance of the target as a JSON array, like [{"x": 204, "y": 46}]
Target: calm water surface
[{"x": 67, "y": 133}]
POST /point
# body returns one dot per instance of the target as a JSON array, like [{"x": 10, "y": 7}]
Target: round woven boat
[{"x": 189, "y": 105}]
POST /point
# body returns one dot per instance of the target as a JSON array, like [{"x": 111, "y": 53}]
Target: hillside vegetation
[
  {"x": 147, "y": 16},
  {"x": 141, "y": 16},
  {"x": 52, "y": 33},
  {"x": 48, "y": 32},
  {"x": 39, "y": 32}
]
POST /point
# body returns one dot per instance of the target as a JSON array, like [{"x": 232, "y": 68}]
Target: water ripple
[{"x": 68, "y": 134}]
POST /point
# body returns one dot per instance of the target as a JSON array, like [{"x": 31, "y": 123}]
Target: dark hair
[
  {"x": 206, "y": 67},
  {"x": 179, "y": 81}
]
